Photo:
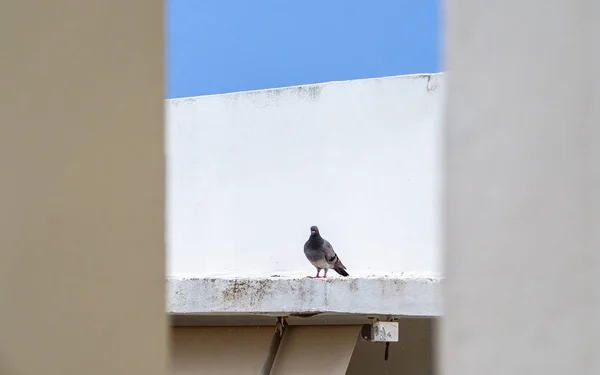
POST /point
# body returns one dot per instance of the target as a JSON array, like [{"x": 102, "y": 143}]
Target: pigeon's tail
[{"x": 341, "y": 271}]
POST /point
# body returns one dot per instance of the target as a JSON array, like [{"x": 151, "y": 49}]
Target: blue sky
[{"x": 225, "y": 46}]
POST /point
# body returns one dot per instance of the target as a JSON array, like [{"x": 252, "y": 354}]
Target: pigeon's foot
[{"x": 315, "y": 277}]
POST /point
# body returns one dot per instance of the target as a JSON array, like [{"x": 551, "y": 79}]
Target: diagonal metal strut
[{"x": 280, "y": 327}]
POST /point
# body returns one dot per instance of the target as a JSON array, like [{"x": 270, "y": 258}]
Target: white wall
[{"x": 249, "y": 173}]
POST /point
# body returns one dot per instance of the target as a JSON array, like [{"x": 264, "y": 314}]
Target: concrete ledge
[
  {"x": 233, "y": 320},
  {"x": 417, "y": 296}
]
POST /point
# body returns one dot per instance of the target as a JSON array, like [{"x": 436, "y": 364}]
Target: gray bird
[{"x": 320, "y": 253}]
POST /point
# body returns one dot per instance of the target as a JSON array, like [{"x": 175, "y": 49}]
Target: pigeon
[{"x": 321, "y": 255}]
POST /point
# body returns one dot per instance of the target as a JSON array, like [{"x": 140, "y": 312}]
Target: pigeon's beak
[{"x": 313, "y": 232}]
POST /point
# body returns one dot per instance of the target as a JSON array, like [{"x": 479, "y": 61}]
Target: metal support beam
[{"x": 280, "y": 328}]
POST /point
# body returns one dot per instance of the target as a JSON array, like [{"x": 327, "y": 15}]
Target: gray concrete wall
[{"x": 522, "y": 167}]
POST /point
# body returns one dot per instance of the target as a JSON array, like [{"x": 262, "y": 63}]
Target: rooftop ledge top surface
[
  {"x": 399, "y": 295},
  {"x": 433, "y": 82}
]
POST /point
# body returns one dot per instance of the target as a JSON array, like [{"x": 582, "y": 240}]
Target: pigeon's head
[{"x": 314, "y": 231}]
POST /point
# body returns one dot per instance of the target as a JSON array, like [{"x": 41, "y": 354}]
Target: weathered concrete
[{"x": 407, "y": 295}]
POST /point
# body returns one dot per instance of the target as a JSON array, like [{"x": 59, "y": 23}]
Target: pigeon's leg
[
  {"x": 316, "y": 277},
  {"x": 325, "y": 275}
]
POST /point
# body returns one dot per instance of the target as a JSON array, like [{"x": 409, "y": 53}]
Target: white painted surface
[
  {"x": 249, "y": 173},
  {"x": 522, "y": 226},
  {"x": 397, "y": 296}
]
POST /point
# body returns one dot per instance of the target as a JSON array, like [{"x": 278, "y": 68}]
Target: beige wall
[
  {"x": 219, "y": 350},
  {"x": 305, "y": 349},
  {"x": 243, "y": 350},
  {"x": 81, "y": 209},
  {"x": 411, "y": 355}
]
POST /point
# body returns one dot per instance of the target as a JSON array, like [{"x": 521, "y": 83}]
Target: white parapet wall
[{"x": 249, "y": 173}]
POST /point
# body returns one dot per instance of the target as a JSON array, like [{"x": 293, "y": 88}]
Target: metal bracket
[
  {"x": 379, "y": 331},
  {"x": 281, "y": 324}
]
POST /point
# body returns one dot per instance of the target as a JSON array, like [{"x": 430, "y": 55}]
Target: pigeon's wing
[
  {"x": 330, "y": 255},
  {"x": 333, "y": 260}
]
